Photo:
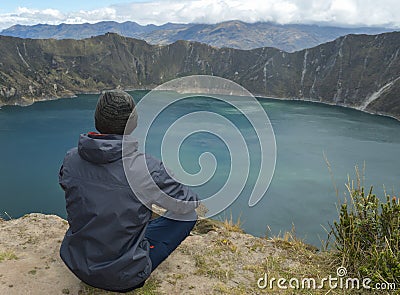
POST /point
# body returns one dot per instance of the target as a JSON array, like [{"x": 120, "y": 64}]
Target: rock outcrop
[{"x": 213, "y": 260}]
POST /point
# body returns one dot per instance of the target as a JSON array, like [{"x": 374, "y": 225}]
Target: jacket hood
[{"x": 102, "y": 148}]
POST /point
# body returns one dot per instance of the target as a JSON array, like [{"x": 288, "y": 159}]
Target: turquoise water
[{"x": 34, "y": 140}]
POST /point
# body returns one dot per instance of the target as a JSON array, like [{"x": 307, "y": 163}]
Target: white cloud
[{"x": 333, "y": 12}]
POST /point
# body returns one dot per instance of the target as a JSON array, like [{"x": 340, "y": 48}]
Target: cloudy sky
[{"x": 328, "y": 12}]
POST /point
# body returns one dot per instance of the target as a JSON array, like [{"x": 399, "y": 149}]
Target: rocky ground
[{"x": 217, "y": 258}]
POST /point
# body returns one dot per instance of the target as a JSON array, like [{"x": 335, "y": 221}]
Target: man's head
[{"x": 112, "y": 112}]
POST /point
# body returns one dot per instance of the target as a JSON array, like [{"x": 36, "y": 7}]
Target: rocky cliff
[
  {"x": 214, "y": 259},
  {"x": 358, "y": 71}
]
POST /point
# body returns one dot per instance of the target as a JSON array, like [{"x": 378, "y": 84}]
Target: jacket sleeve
[
  {"x": 60, "y": 175},
  {"x": 180, "y": 199}
]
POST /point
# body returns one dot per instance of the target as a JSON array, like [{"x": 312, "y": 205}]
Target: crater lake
[{"x": 318, "y": 147}]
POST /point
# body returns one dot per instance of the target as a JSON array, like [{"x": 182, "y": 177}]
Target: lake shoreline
[
  {"x": 255, "y": 95},
  {"x": 329, "y": 104}
]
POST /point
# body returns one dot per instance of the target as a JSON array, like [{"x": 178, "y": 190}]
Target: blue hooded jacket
[{"x": 105, "y": 245}]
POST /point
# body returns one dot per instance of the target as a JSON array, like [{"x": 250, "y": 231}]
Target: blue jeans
[{"x": 165, "y": 235}]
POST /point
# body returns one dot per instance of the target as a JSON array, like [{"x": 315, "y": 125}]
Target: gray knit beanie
[{"x": 112, "y": 112}]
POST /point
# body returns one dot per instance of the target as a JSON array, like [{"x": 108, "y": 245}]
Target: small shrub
[
  {"x": 8, "y": 255},
  {"x": 233, "y": 226},
  {"x": 367, "y": 235}
]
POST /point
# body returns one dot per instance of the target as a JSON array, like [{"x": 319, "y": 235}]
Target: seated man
[{"x": 111, "y": 242}]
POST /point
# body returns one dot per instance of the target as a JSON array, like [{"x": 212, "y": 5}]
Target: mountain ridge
[
  {"x": 234, "y": 34},
  {"x": 357, "y": 71}
]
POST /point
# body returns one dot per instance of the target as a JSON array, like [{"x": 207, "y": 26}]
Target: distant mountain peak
[{"x": 232, "y": 33}]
